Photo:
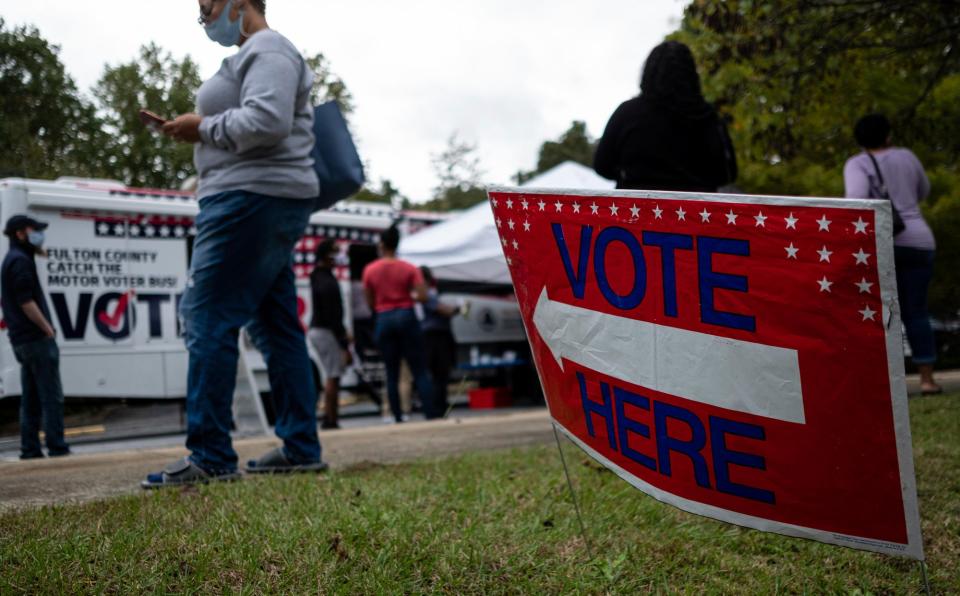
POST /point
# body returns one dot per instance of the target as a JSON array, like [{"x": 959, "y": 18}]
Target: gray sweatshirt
[{"x": 257, "y": 128}]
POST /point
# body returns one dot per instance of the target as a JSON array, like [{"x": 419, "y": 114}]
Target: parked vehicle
[{"x": 117, "y": 268}]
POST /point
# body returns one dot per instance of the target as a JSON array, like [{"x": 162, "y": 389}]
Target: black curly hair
[{"x": 872, "y": 131}]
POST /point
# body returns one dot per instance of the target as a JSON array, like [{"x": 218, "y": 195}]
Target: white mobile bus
[{"x": 116, "y": 270}]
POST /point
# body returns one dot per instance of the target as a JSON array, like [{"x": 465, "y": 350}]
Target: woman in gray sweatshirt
[{"x": 252, "y": 135}]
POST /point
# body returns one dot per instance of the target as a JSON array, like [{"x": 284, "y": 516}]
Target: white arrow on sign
[{"x": 728, "y": 373}]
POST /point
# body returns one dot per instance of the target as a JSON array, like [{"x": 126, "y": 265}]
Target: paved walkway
[
  {"x": 81, "y": 478},
  {"x": 92, "y": 476}
]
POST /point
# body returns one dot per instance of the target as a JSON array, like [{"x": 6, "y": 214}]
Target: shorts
[{"x": 329, "y": 352}]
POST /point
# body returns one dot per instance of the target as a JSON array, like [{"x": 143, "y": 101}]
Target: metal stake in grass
[
  {"x": 926, "y": 580},
  {"x": 573, "y": 494}
]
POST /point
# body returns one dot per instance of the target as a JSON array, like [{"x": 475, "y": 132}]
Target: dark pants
[
  {"x": 914, "y": 271},
  {"x": 398, "y": 336},
  {"x": 42, "y": 397},
  {"x": 241, "y": 273},
  {"x": 441, "y": 356}
]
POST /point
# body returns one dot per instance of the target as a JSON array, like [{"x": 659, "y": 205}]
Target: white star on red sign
[
  {"x": 731, "y": 217},
  {"x": 593, "y": 208},
  {"x": 681, "y": 214},
  {"x": 576, "y": 207},
  {"x": 864, "y": 285},
  {"x": 824, "y": 224},
  {"x": 824, "y": 254},
  {"x": 791, "y": 251},
  {"x": 860, "y": 226},
  {"x": 516, "y": 245},
  {"x": 613, "y": 209},
  {"x": 558, "y": 205},
  {"x": 634, "y": 211},
  {"x": 861, "y": 257},
  {"x": 494, "y": 201},
  {"x": 657, "y": 212},
  {"x": 526, "y": 226},
  {"x": 542, "y": 205},
  {"x": 524, "y": 204},
  {"x": 511, "y": 224},
  {"x": 791, "y": 221},
  {"x": 824, "y": 284},
  {"x": 509, "y": 203},
  {"x": 705, "y": 215},
  {"x": 499, "y": 222},
  {"x": 761, "y": 220},
  {"x": 867, "y": 313}
]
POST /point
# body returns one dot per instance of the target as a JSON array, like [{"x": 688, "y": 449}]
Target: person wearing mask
[
  {"x": 252, "y": 140},
  {"x": 327, "y": 333},
  {"x": 33, "y": 340},
  {"x": 441, "y": 348},
  {"x": 392, "y": 286},
  {"x": 668, "y": 137},
  {"x": 884, "y": 171}
]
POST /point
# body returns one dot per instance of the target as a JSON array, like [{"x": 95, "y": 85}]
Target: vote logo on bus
[{"x": 738, "y": 357}]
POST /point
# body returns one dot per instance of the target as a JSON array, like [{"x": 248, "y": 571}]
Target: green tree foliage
[
  {"x": 154, "y": 80},
  {"x": 794, "y": 75},
  {"x": 327, "y": 86},
  {"x": 46, "y": 128},
  {"x": 460, "y": 177},
  {"x": 387, "y": 193},
  {"x": 573, "y": 145}
]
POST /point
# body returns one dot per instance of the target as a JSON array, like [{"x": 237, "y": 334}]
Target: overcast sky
[{"x": 504, "y": 74}]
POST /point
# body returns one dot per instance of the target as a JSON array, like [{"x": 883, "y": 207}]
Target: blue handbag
[{"x": 335, "y": 157}]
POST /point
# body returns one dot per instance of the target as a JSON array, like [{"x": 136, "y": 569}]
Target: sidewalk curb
[{"x": 90, "y": 477}]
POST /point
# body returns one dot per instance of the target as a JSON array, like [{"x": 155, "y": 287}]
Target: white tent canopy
[{"x": 466, "y": 247}]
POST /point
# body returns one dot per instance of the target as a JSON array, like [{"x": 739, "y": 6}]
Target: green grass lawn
[{"x": 494, "y": 522}]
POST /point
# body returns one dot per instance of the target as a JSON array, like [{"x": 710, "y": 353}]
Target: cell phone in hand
[{"x": 151, "y": 120}]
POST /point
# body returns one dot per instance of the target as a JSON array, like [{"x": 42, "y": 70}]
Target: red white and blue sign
[{"x": 739, "y": 357}]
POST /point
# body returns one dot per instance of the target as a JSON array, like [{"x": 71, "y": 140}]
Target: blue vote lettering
[
  {"x": 708, "y": 280},
  {"x": 663, "y": 448}
]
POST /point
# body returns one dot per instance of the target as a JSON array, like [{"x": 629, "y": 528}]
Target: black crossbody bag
[{"x": 883, "y": 193}]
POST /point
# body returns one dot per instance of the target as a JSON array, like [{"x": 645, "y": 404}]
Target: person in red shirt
[{"x": 391, "y": 287}]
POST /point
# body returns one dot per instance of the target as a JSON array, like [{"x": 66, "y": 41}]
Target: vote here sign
[{"x": 738, "y": 357}]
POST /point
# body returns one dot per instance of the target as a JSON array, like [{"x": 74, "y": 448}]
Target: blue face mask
[
  {"x": 36, "y": 238},
  {"x": 224, "y": 31}
]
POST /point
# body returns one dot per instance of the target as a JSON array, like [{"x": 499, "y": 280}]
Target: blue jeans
[
  {"x": 914, "y": 271},
  {"x": 42, "y": 397},
  {"x": 398, "y": 335},
  {"x": 242, "y": 273}
]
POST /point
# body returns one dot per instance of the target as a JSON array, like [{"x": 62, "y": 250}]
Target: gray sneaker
[{"x": 184, "y": 471}]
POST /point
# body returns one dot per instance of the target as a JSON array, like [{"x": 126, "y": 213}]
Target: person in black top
[
  {"x": 327, "y": 333},
  {"x": 668, "y": 137},
  {"x": 441, "y": 347},
  {"x": 32, "y": 336}
]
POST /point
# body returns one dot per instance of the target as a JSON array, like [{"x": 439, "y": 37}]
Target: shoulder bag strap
[{"x": 882, "y": 188}]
